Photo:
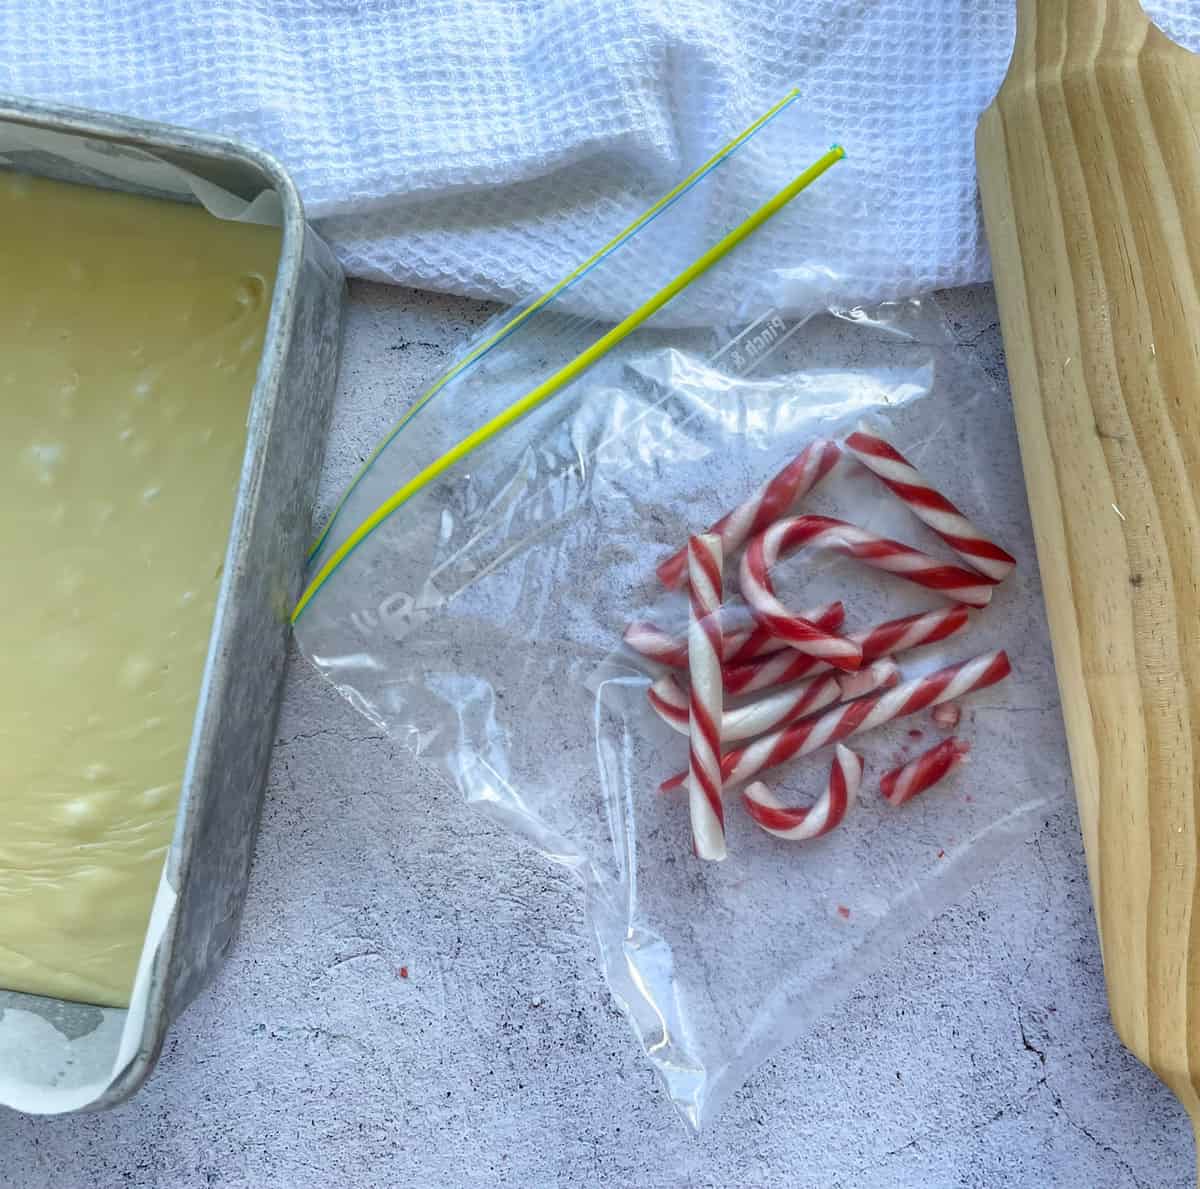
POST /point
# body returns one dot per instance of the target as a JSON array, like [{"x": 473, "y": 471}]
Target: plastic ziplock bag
[{"x": 482, "y": 625}]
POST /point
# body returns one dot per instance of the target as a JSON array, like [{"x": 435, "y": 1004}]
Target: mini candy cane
[
  {"x": 910, "y": 631},
  {"x": 758, "y": 642},
  {"x": 897, "y": 635},
  {"x": 786, "y": 536},
  {"x": 825, "y": 814},
  {"x": 774, "y": 499},
  {"x": 904, "y": 783},
  {"x": 670, "y": 702},
  {"x": 704, "y": 668},
  {"x": 779, "y": 709},
  {"x": 739, "y": 639},
  {"x": 801, "y": 738},
  {"x": 649, "y": 640},
  {"x": 767, "y": 714},
  {"x": 910, "y": 486}
]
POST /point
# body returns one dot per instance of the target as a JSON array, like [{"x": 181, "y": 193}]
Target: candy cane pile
[{"x": 825, "y": 684}]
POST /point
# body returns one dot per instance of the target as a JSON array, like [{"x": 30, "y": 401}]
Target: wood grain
[{"x": 1089, "y": 168}]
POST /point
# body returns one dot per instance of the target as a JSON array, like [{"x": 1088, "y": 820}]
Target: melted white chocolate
[{"x": 130, "y": 335}]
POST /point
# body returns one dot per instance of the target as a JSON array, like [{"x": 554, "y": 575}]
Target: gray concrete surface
[{"x": 982, "y": 1058}]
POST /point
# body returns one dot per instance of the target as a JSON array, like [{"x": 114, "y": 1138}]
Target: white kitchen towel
[{"x": 485, "y": 147}]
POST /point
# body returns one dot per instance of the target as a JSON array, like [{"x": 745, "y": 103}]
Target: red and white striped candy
[
  {"x": 823, "y": 532},
  {"x": 886, "y": 639},
  {"x": 740, "y": 639},
  {"x": 649, "y": 640},
  {"x": 758, "y": 642},
  {"x": 825, "y": 814},
  {"x": 704, "y": 668},
  {"x": 759, "y": 592},
  {"x": 930, "y": 506},
  {"x": 802, "y": 738},
  {"x": 904, "y": 783},
  {"x": 670, "y": 702},
  {"x": 766, "y": 672},
  {"x": 910, "y": 631},
  {"x": 776, "y": 710},
  {"x": 774, "y": 499}
]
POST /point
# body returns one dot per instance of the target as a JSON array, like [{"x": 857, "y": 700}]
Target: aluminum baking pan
[{"x": 208, "y": 863}]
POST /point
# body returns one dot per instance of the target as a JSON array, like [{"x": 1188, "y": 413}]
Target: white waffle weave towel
[{"x": 485, "y": 147}]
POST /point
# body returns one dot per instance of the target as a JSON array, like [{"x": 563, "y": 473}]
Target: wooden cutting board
[{"x": 1089, "y": 167}]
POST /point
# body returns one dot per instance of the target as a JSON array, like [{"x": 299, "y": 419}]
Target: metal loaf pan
[{"x": 209, "y": 860}]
